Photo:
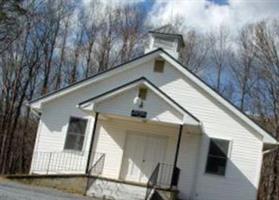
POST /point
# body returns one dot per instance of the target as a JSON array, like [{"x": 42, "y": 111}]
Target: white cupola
[{"x": 166, "y": 38}]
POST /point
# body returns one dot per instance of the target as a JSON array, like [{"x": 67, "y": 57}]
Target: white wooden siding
[
  {"x": 111, "y": 136},
  {"x": 156, "y": 108},
  {"x": 243, "y": 169},
  {"x": 187, "y": 162}
]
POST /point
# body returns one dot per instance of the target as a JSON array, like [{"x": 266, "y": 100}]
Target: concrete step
[
  {"x": 115, "y": 190},
  {"x": 165, "y": 195}
]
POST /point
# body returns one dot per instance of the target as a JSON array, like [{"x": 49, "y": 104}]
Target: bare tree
[
  {"x": 37, "y": 59},
  {"x": 267, "y": 90},
  {"x": 76, "y": 57},
  {"x": 21, "y": 70},
  {"x": 267, "y": 52},
  {"x": 48, "y": 32},
  {"x": 91, "y": 22},
  {"x": 194, "y": 54},
  {"x": 242, "y": 62},
  {"x": 219, "y": 46},
  {"x": 11, "y": 18},
  {"x": 64, "y": 35},
  {"x": 18, "y": 65},
  {"x": 106, "y": 40},
  {"x": 130, "y": 29}
]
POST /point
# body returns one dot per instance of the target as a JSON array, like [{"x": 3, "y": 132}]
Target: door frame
[{"x": 135, "y": 132}]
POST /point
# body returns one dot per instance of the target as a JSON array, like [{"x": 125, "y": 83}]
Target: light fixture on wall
[{"x": 138, "y": 102}]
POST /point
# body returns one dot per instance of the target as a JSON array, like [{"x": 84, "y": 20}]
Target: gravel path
[{"x": 16, "y": 191}]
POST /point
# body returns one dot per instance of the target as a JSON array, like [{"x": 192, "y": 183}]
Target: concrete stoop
[
  {"x": 164, "y": 195},
  {"x": 113, "y": 190}
]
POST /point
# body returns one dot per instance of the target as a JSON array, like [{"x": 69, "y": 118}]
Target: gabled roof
[
  {"x": 168, "y": 30},
  {"x": 188, "y": 117},
  {"x": 90, "y": 79},
  {"x": 267, "y": 138}
]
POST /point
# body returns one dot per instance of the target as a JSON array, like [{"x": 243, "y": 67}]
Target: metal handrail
[
  {"x": 98, "y": 166},
  {"x": 95, "y": 170},
  {"x": 152, "y": 181},
  {"x": 161, "y": 177}
]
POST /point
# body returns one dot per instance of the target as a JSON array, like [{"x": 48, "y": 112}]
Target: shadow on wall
[
  {"x": 237, "y": 184},
  {"x": 55, "y": 124},
  {"x": 56, "y": 114},
  {"x": 114, "y": 144}
]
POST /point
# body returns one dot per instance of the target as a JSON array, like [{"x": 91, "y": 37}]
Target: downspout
[{"x": 269, "y": 150}]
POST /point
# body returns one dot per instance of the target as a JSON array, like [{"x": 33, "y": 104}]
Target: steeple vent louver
[{"x": 166, "y": 38}]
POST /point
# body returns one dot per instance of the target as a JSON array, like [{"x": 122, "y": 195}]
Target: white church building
[{"x": 150, "y": 127}]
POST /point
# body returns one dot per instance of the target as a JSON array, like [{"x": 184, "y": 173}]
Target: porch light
[{"x": 138, "y": 102}]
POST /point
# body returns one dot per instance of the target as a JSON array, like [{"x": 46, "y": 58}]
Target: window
[
  {"x": 159, "y": 66},
  {"x": 217, "y": 157},
  {"x": 142, "y": 93},
  {"x": 75, "y": 134}
]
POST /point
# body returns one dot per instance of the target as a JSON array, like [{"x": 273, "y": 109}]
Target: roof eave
[
  {"x": 150, "y": 85},
  {"x": 92, "y": 78}
]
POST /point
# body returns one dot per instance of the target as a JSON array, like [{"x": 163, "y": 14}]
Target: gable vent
[
  {"x": 159, "y": 66},
  {"x": 142, "y": 93}
]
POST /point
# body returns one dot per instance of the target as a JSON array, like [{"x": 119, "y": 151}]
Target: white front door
[
  {"x": 141, "y": 155},
  {"x": 154, "y": 152}
]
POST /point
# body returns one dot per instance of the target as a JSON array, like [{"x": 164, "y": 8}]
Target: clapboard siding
[
  {"x": 111, "y": 138},
  {"x": 156, "y": 108},
  {"x": 187, "y": 162},
  {"x": 243, "y": 169}
]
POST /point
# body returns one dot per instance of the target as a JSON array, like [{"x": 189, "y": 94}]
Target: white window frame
[
  {"x": 84, "y": 136},
  {"x": 228, "y": 156}
]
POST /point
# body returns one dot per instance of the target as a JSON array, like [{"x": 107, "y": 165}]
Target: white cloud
[
  {"x": 204, "y": 15},
  {"x": 113, "y": 3},
  {"x": 99, "y": 8}
]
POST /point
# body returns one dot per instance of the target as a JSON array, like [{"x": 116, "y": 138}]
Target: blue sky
[
  {"x": 219, "y": 2},
  {"x": 149, "y": 3}
]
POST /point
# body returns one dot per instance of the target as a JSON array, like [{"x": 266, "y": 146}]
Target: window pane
[
  {"x": 219, "y": 147},
  {"x": 79, "y": 143},
  {"x": 74, "y": 142},
  {"x": 217, "y": 156},
  {"x": 216, "y": 165},
  {"x": 75, "y": 134},
  {"x": 77, "y": 125}
]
